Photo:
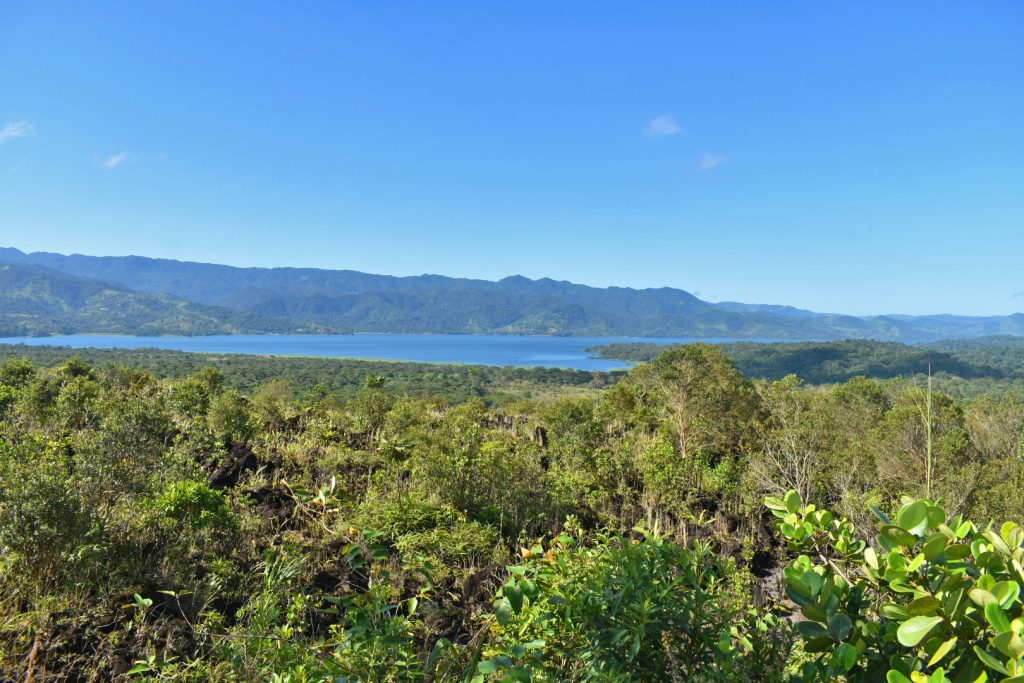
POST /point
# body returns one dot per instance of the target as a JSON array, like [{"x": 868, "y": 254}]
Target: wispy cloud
[
  {"x": 710, "y": 161},
  {"x": 114, "y": 161},
  {"x": 16, "y": 129},
  {"x": 1019, "y": 295},
  {"x": 663, "y": 127}
]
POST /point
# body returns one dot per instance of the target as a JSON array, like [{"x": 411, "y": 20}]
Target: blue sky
[{"x": 860, "y": 157}]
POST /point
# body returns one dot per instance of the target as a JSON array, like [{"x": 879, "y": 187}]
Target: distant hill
[
  {"x": 362, "y": 302},
  {"x": 37, "y": 301},
  {"x": 991, "y": 358}
]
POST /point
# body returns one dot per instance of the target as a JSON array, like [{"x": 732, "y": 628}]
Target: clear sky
[{"x": 861, "y": 157}]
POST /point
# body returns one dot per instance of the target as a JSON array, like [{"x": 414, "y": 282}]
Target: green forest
[
  {"x": 967, "y": 366},
  {"x": 179, "y": 517}
]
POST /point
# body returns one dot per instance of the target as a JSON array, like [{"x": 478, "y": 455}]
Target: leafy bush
[
  {"x": 629, "y": 609},
  {"x": 933, "y": 599},
  {"x": 194, "y": 503}
]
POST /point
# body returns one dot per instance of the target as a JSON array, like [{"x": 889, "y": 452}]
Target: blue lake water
[{"x": 526, "y": 351}]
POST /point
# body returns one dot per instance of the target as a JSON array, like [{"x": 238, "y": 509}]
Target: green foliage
[
  {"x": 187, "y": 529},
  {"x": 335, "y": 377},
  {"x": 628, "y": 609},
  {"x": 976, "y": 361},
  {"x": 194, "y": 503},
  {"x": 231, "y": 417},
  {"x": 932, "y": 599}
]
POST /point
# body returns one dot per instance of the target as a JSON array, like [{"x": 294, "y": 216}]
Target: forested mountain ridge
[
  {"x": 362, "y": 302},
  {"x": 36, "y": 301}
]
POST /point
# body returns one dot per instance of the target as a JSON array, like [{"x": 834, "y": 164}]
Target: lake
[{"x": 560, "y": 352}]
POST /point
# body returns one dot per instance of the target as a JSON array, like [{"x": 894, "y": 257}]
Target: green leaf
[
  {"x": 793, "y": 502},
  {"x": 811, "y": 630},
  {"x": 840, "y": 626},
  {"x": 942, "y": 651},
  {"x": 924, "y": 606},
  {"x": 1010, "y": 644},
  {"x": 981, "y": 597},
  {"x": 488, "y": 666},
  {"x": 814, "y": 612},
  {"x": 913, "y": 630},
  {"x": 503, "y": 611},
  {"x": 989, "y": 660},
  {"x": 881, "y": 515},
  {"x": 934, "y": 547},
  {"x": 515, "y": 597},
  {"x": 895, "y": 676},
  {"x": 898, "y": 535},
  {"x": 1006, "y": 592},
  {"x": 913, "y": 517},
  {"x": 871, "y": 558},
  {"x": 997, "y": 617},
  {"x": 844, "y": 657},
  {"x": 891, "y": 610}
]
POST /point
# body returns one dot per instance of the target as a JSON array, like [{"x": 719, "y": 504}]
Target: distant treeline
[
  {"x": 989, "y": 358},
  {"x": 342, "y": 378}
]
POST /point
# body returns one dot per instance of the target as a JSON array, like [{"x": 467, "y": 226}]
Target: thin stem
[{"x": 928, "y": 474}]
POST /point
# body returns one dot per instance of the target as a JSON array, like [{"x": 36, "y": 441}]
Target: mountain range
[{"x": 44, "y": 293}]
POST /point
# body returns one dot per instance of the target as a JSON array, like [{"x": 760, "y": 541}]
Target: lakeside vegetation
[
  {"x": 967, "y": 366},
  {"x": 340, "y": 379},
  {"x": 214, "y": 518}
]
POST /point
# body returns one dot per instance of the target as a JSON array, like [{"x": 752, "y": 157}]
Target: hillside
[
  {"x": 996, "y": 358},
  {"x": 514, "y": 305},
  {"x": 37, "y": 301}
]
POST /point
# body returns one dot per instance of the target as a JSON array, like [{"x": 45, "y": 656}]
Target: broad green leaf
[
  {"x": 924, "y": 606},
  {"x": 942, "y": 651},
  {"x": 891, "y": 610},
  {"x": 957, "y": 551},
  {"x": 934, "y": 547},
  {"x": 913, "y": 630},
  {"x": 990, "y": 660},
  {"x": 793, "y": 502},
  {"x": 1010, "y": 644},
  {"x": 895, "y": 676},
  {"x": 981, "y": 597},
  {"x": 844, "y": 657},
  {"x": 515, "y": 597},
  {"x": 814, "y": 612},
  {"x": 898, "y": 535},
  {"x": 914, "y": 517},
  {"x": 503, "y": 611},
  {"x": 488, "y": 666},
  {"x": 936, "y": 516},
  {"x": 997, "y": 617},
  {"x": 871, "y": 558},
  {"x": 1006, "y": 592},
  {"x": 840, "y": 626},
  {"x": 811, "y": 630},
  {"x": 1012, "y": 534}
]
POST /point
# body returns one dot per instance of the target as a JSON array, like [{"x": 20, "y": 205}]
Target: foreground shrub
[
  {"x": 932, "y": 599},
  {"x": 629, "y": 609}
]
